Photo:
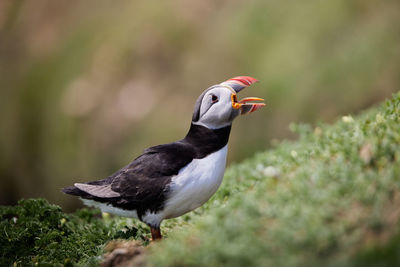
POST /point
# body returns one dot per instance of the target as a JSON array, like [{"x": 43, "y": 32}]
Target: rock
[{"x": 124, "y": 254}]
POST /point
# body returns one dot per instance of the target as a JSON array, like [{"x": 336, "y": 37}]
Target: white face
[{"x": 215, "y": 109}]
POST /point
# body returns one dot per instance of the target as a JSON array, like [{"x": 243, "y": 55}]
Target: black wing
[{"x": 143, "y": 183}]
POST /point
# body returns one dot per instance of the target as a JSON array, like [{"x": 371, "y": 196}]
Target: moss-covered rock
[{"x": 330, "y": 198}]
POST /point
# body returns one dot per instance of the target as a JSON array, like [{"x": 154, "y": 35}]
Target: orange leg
[{"x": 155, "y": 234}]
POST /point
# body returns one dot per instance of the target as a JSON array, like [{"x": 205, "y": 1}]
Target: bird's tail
[{"x": 73, "y": 190}]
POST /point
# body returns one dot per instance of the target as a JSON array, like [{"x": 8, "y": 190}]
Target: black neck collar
[{"x": 206, "y": 141}]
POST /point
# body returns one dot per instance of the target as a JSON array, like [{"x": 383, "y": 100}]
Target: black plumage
[{"x": 143, "y": 184}]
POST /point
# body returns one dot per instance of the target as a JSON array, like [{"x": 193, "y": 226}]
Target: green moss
[{"x": 35, "y": 231}]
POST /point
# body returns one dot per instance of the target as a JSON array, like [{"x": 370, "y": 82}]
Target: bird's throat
[{"x": 206, "y": 141}]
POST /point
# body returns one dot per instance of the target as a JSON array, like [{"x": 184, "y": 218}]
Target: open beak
[
  {"x": 244, "y": 106},
  {"x": 237, "y": 84}
]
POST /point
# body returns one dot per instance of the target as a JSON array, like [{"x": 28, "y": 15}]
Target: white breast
[{"x": 195, "y": 184}]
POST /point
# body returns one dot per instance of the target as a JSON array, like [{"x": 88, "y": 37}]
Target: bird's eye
[{"x": 214, "y": 98}]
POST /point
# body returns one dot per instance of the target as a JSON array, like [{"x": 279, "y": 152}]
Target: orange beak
[{"x": 244, "y": 106}]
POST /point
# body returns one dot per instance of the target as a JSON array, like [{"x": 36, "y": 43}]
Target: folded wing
[{"x": 144, "y": 183}]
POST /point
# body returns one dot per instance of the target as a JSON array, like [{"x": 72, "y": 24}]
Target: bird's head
[{"x": 218, "y": 105}]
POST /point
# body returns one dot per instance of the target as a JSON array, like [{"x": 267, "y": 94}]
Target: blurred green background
[{"x": 87, "y": 85}]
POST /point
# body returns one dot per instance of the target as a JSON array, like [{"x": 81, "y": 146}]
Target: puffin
[{"x": 169, "y": 180}]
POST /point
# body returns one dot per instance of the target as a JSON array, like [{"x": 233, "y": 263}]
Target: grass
[{"x": 331, "y": 198}]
